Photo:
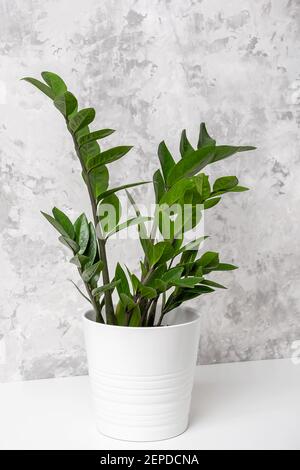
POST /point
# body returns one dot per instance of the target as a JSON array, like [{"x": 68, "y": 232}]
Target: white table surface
[{"x": 254, "y": 405}]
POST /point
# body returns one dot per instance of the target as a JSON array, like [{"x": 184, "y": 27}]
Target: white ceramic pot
[{"x": 142, "y": 378}]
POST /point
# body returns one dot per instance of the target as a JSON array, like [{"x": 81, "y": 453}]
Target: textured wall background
[{"x": 151, "y": 69}]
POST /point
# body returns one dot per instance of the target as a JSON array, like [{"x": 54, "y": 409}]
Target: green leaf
[
  {"x": 156, "y": 274},
  {"x": 99, "y": 179},
  {"x": 204, "y": 137},
  {"x": 157, "y": 252},
  {"x": 207, "y": 282},
  {"x": 123, "y": 286},
  {"x": 82, "y": 119},
  {"x": 120, "y": 314},
  {"x": 69, "y": 243},
  {"x": 91, "y": 271},
  {"x": 92, "y": 248},
  {"x": 64, "y": 221},
  {"x": 131, "y": 308},
  {"x": 166, "y": 160},
  {"x": 209, "y": 259},
  {"x": 82, "y": 232},
  {"x": 66, "y": 103},
  {"x": 146, "y": 291},
  {"x": 41, "y": 86},
  {"x": 159, "y": 186},
  {"x": 56, "y": 224},
  {"x": 109, "y": 212},
  {"x": 135, "y": 319},
  {"x": 187, "y": 282},
  {"x": 193, "y": 245},
  {"x": 106, "y": 157},
  {"x": 96, "y": 135},
  {"x": 144, "y": 239},
  {"x": 177, "y": 191},
  {"x": 100, "y": 290},
  {"x": 56, "y": 83},
  {"x": 88, "y": 151},
  {"x": 184, "y": 295},
  {"x": 225, "y": 151},
  {"x": 225, "y": 267},
  {"x": 160, "y": 285},
  {"x": 202, "y": 185},
  {"x": 239, "y": 189},
  {"x": 192, "y": 165},
  {"x": 80, "y": 261},
  {"x": 185, "y": 146},
  {"x": 129, "y": 223},
  {"x": 119, "y": 188},
  {"x": 172, "y": 275},
  {"x": 225, "y": 183},
  {"x": 211, "y": 202}
]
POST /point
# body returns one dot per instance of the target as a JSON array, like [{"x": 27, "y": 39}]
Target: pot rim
[{"x": 139, "y": 328}]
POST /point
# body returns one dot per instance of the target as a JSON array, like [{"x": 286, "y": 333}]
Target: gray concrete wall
[{"x": 151, "y": 68}]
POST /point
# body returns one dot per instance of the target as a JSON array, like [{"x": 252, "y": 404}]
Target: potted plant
[{"x": 142, "y": 347}]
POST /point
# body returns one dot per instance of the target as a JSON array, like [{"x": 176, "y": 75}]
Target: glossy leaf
[
  {"x": 128, "y": 223},
  {"x": 135, "y": 319},
  {"x": 159, "y": 186},
  {"x": 40, "y": 86},
  {"x": 99, "y": 179},
  {"x": 80, "y": 261},
  {"x": 187, "y": 282},
  {"x": 157, "y": 252},
  {"x": 106, "y": 157},
  {"x": 120, "y": 314},
  {"x": 123, "y": 285},
  {"x": 82, "y": 232},
  {"x": 101, "y": 290},
  {"x": 89, "y": 150},
  {"x": 211, "y": 202},
  {"x": 64, "y": 221},
  {"x": 166, "y": 160},
  {"x": 120, "y": 188},
  {"x": 92, "y": 248},
  {"x": 56, "y": 83},
  {"x": 204, "y": 137},
  {"x": 69, "y": 243},
  {"x": 96, "y": 135},
  {"x": 146, "y": 291},
  {"x": 177, "y": 191},
  {"x": 225, "y": 267},
  {"x": 172, "y": 275},
  {"x": 82, "y": 119},
  {"x": 210, "y": 283},
  {"x": 144, "y": 239},
  {"x": 109, "y": 212},
  {"x": 192, "y": 165},
  {"x": 56, "y": 224},
  {"x": 225, "y": 151},
  {"x": 202, "y": 185},
  {"x": 225, "y": 183},
  {"x": 91, "y": 271},
  {"x": 66, "y": 103},
  {"x": 209, "y": 259},
  {"x": 185, "y": 147}
]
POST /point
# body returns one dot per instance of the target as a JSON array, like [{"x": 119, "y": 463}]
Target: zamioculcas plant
[
  {"x": 141, "y": 377},
  {"x": 170, "y": 270}
]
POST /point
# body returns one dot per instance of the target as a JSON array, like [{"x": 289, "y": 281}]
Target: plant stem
[
  {"x": 99, "y": 317},
  {"x": 110, "y": 316},
  {"x": 151, "y": 316}
]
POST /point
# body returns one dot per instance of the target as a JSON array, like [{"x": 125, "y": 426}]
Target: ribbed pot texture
[{"x": 142, "y": 378}]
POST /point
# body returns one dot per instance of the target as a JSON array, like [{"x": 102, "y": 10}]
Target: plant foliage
[{"x": 172, "y": 272}]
